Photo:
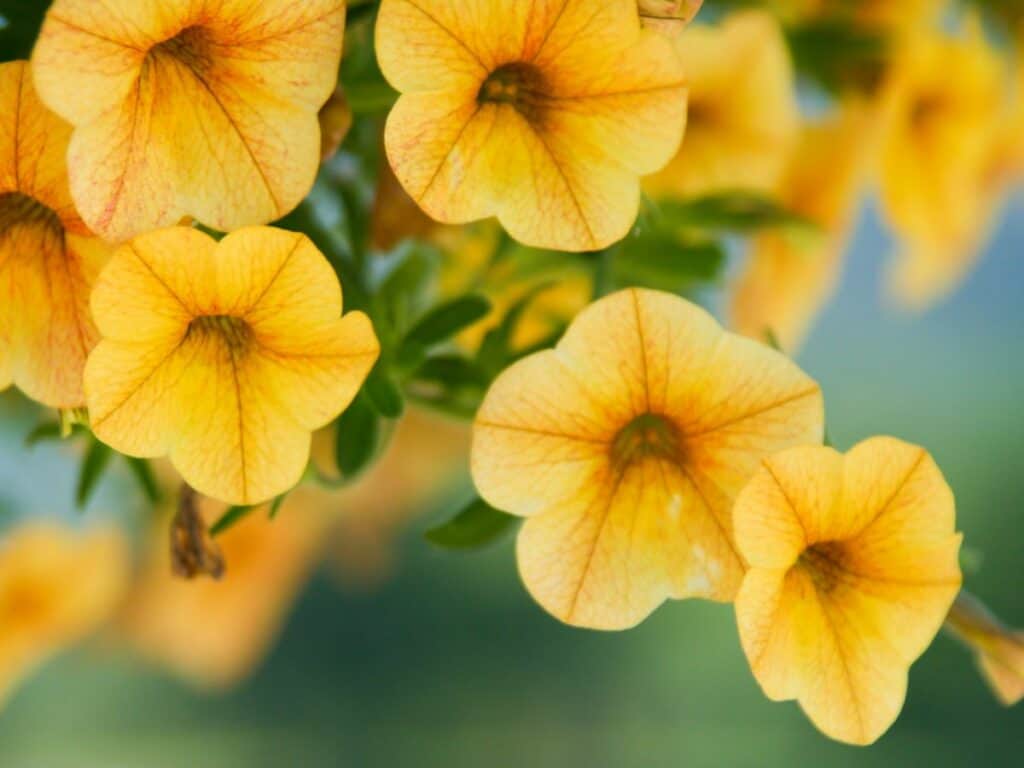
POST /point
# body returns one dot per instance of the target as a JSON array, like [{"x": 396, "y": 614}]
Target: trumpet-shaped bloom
[
  {"x": 214, "y": 632},
  {"x": 624, "y": 448},
  {"x": 48, "y": 258},
  {"x": 998, "y": 649},
  {"x": 853, "y": 567},
  {"x": 189, "y": 107},
  {"x": 790, "y": 275},
  {"x": 945, "y": 99},
  {"x": 55, "y": 588},
  {"x": 543, "y": 114},
  {"x": 226, "y": 356},
  {"x": 743, "y": 116}
]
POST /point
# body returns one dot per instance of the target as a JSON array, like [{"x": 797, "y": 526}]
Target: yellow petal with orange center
[
  {"x": 542, "y": 114},
  {"x": 55, "y": 588},
  {"x": 625, "y": 446},
  {"x": 205, "y": 108},
  {"x": 226, "y": 356},
  {"x": 743, "y": 117},
  {"x": 853, "y": 566},
  {"x": 48, "y": 259}
]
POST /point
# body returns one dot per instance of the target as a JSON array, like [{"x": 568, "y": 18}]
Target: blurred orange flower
[
  {"x": 853, "y": 566},
  {"x": 203, "y": 108},
  {"x": 624, "y": 447},
  {"x": 542, "y": 114},
  {"x": 214, "y": 632},
  {"x": 743, "y": 117},
  {"x": 48, "y": 258},
  {"x": 790, "y": 275},
  {"x": 56, "y": 587},
  {"x": 945, "y": 98},
  {"x": 226, "y": 356}
]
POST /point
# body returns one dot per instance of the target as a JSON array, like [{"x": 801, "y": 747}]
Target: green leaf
[
  {"x": 49, "y": 430},
  {"x": 229, "y": 518},
  {"x": 477, "y": 525},
  {"x": 452, "y": 372},
  {"x": 356, "y": 437},
  {"x": 95, "y": 463},
  {"x": 383, "y": 394},
  {"x": 275, "y": 506},
  {"x": 445, "y": 320},
  {"x": 496, "y": 349},
  {"x": 143, "y": 474},
  {"x": 735, "y": 211},
  {"x": 668, "y": 260}
]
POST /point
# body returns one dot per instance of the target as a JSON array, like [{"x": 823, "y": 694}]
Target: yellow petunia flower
[
  {"x": 945, "y": 98},
  {"x": 189, "y": 107},
  {"x": 213, "y": 633},
  {"x": 226, "y": 356},
  {"x": 743, "y": 116},
  {"x": 48, "y": 258},
  {"x": 56, "y": 587},
  {"x": 624, "y": 447},
  {"x": 543, "y": 114},
  {"x": 853, "y": 566},
  {"x": 791, "y": 275}
]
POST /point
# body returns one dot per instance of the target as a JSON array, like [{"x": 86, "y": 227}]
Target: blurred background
[{"x": 361, "y": 644}]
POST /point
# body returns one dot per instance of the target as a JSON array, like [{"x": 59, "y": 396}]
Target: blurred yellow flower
[
  {"x": 189, "y": 107},
  {"x": 885, "y": 15},
  {"x": 944, "y": 103},
  {"x": 226, "y": 356},
  {"x": 853, "y": 566},
  {"x": 743, "y": 117},
  {"x": 214, "y": 632},
  {"x": 56, "y": 587},
  {"x": 668, "y": 16},
  {"x": 790, "y": 275},
  {"x": 998, "y": 649},
  {"x": 542, "y": 114},
  {"x": 48, "y": 258},
  {"x": 624, "y": 447}
]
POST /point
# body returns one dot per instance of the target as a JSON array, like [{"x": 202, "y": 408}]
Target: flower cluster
[{"x": 526, "y": 197}]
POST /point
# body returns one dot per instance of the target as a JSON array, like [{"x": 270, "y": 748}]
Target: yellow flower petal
[
  {"x": 543, "y": 115},
  {"x": 55, "y": 588},
  {"x": 224, "y": 356},
  {"x": 48, "y": 259},
  {"x": 625, "y": 446},
  {"x": 791, "y": 275},
  {"x": 668, "y": 16},
  {"x": 205, "y": 109},
  {"x": 945, "y": 97},
  {"x": 853, "y": 566},
  {"x": 998, "y": 649},
  {"x": 743, "y": 117}
]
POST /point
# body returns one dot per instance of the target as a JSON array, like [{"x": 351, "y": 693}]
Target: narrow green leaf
[
  {"x": 734, "y": 211},
  {"x": 95, "y": 463},
  {"x": 275, "y": 506},
  {"x": 383, "y": 394},
  {"x": 451, "y": 371},
  {"x": 356, "y": 438},
  {"x": 496, "y": 349},
  {"x": 668, "y": 260},
  {"x": 143, "y": 474},
  {"x": 444, "y": 321},
  {"x": 229, "y": 518},
  {"x": 49, "y": 430},
  {"x": 477, "y": 525}
]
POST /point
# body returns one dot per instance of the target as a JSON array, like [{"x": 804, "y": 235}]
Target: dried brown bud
[{"x": 193, "y": 550}]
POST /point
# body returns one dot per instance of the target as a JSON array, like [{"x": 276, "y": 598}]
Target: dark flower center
[
  {"x": 647, "y": 435},
  {"x": 17, "y": 209},
  {"x": 190, "y": 47},
  {"x": 519, "y": 85},
  {"x": 824, "y": 564},
  {"x": 233, "y": 331}
]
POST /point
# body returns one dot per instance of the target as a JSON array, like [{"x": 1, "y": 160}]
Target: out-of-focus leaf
[
  {"x": 275, "y": 506},
  {"x": 496, "y": 349},
  {"x": 736, "y": 211},
  {"x": 383, "y": 394},
  {"x": 143, "y": 475},
  {"x": 20, "y": 21},
  {"x": 451, "y": 371},
  {"x": 446, "y": 320},
  {"x": 477, "y": 525},
  {"x": 667, "y": 260},
  {"x": 48, "y": 430},
  {"x": 356, "y": 437},
  {"x": 232, "y": 516},
  {"x": 838, "y": 54},
  {"x": 95, "y": 463}
]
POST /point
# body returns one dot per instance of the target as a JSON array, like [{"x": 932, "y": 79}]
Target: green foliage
[
  {"x": 476, "y": 525},
  {"x": 232, "y": 516},
  {"x": 357, "y": 437},
  {"x": 447, "y": 319},
  {"x": 95, "y": 463}
]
